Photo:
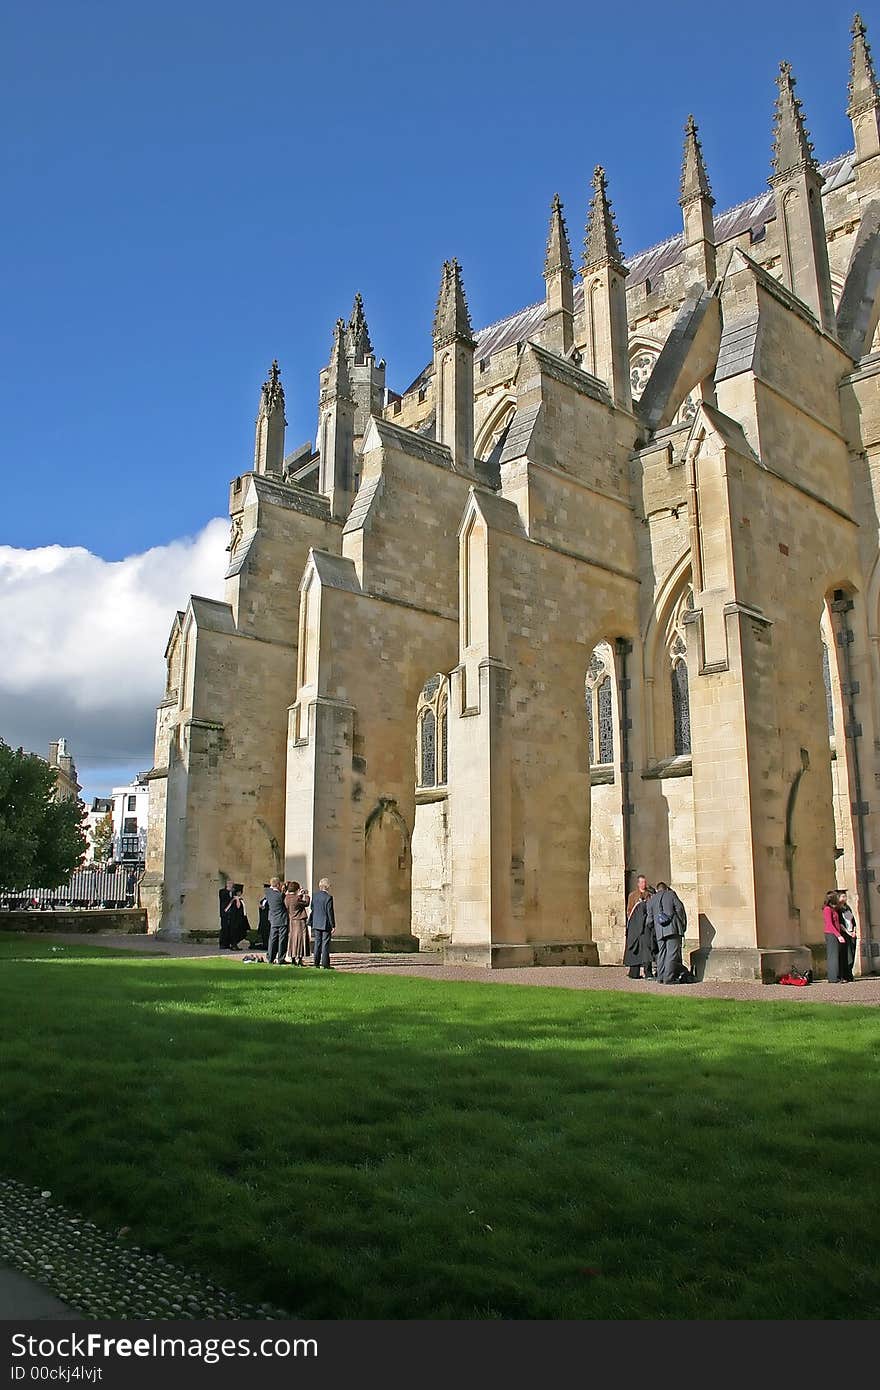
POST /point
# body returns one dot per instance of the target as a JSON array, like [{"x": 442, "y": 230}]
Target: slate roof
[{"x": 751, "y": 216}]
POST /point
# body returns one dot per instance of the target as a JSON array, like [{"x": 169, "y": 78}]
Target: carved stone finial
[
  {"x": 863, "y": 91},
  {"x": 791, "y": 142},
  {"x": 558, "y": 258},
  {"x": 602, "y": 240},
  {"x": 272, "y": 392},
  {"x": 358, "y": 333},
  {"x": 452, "y": 322},
  {"x": 694, "y": 179},
  {"x": 338, "y": 385}
]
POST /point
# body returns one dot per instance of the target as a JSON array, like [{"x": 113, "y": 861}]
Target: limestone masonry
[{"x": 600, "y": 593}]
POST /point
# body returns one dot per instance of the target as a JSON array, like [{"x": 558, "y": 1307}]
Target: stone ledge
[
  {"x": 120, "y": 921},
  {"x": 509, "y": 955},
  {"x": 727, "y": 963},
  {"x": 377, "y": 943}
]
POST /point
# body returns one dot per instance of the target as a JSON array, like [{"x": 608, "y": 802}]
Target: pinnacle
[
  {"x": 602, "y": 240},
  {"x": 694, "y": 179},
  {"x": 358, "y": 333},
  {"x": 451, "y": 318},
  {"x": 272, "y": 392},
  {"x": 558, "y": 258},
  {"x": 338, "y": 379},
  {"x": 791, "y": 142},
  {"x": 863, "y": 91}
]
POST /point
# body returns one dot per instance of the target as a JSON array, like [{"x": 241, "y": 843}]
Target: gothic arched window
[
  {"x": 432, "y": 725},
  {"x": 428, "y": 741},
  {"x": 600, "y": 706},
  {"x": 443, "y": 740},
  {"x": 681, "y": 709},
  {"x": 829, "y": 699},
  {"x": 676, "y": 657}
]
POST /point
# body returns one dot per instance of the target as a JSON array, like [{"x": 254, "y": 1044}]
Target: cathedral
[{"x": 598, "y": 594}]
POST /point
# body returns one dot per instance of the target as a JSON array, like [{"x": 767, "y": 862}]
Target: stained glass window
[
  {"x": 443, "y": 744},
  {"x": 428, "y": 731},
  {"x": 829, "y": 702},
  {"x": 590, "y": 742},
  {"x": 681, "y": 712},
  {"x": 606, "y": 723}
]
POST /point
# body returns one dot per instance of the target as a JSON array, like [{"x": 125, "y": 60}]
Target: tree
[
  {"x": 102, "y": 839},
  {"x": 42, "y": 840}
]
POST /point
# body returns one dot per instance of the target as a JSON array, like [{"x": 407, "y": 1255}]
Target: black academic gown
[
  {"x": 640, "y": 945},
  {"x": 263, "y": 930},
  {"x": 235, "y": 925}
]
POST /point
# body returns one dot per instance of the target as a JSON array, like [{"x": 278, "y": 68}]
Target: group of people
[
  {"x": 841, "y": 931},
  {"x": 655, "y": 926},
  {"x": 656, "y": 923},
  {"x": 287, "y": 914}
]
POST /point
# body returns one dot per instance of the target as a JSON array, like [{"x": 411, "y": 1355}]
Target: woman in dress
[
  {"x": 296, "y": 900},
  {"x": 835, "y": 941}
]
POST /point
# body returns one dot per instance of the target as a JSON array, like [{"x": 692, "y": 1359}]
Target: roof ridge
[
  {"x": 666, "y": 241},
  {"x": 727, "y": 212}
]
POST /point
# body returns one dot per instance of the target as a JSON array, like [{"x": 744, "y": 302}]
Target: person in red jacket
[{"x": 835, "y": 941}]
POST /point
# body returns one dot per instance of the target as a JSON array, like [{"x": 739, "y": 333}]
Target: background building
[
  {"x": 129, "y": 808},
  {"x": 66, "y": 785},
  {"x": 101, "y": 807}
]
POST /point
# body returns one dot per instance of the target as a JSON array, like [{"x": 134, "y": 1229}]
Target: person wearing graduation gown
[
  {"x": 235, "y": 922},
  {"x": 263, "y": 929},
  {"x": 641, "y": 946}
]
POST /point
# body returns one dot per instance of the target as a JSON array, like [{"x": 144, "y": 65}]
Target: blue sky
[{"x": 194, "y": 188}]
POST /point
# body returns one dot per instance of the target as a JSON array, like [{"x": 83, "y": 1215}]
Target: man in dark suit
[
  {"x": 323, "y": 924},
  {"x": 665, "y": 911},
  {"x": 278, "y": 923}
]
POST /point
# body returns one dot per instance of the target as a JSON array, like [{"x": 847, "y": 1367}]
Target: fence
[{"x": 111, "y": 888}]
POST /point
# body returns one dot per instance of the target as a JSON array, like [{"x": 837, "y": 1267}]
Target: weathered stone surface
[{"x": 527, "y": 640}]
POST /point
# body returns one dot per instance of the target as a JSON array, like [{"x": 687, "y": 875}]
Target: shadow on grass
[{"x": 350, "y": 1146}]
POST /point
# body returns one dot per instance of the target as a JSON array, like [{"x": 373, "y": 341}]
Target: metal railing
[{"x": 87, "y": 887}]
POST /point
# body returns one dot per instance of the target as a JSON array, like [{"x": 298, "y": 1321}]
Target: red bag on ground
[{"x": 796, "y": 977}]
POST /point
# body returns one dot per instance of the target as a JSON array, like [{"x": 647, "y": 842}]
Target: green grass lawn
[{"x": 368, "y": 1146}]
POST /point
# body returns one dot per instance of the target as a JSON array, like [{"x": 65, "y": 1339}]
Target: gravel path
[
  {"x": 865, "y": 990},
  {"x": 97, "y": 1273}
]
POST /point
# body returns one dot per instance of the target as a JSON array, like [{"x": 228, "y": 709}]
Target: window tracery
[
  {"x": 640, "y": 368},
  {"x": 676, "y": 647},
  {"x": 600, "y": 706},
  {"x": 829, "y": 699},
  {"x": 432, "y": 729}
]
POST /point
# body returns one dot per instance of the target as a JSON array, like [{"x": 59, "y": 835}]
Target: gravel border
[{"x": 97, "y": 1273}]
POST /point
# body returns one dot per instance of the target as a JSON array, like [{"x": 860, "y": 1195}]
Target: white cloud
[{"x": 83, "y": 641}]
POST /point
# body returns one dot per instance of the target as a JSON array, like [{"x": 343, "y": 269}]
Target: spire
[
  {"x": 864, "y": 112},
  {"x": 694, "y": 179},
  {"x": 558, "y": 258},
  {"x": 791, "y": 142},
  {"x": 272, "y": 392},
  {"x": 863, "y": 92},
  {"x": 338, "y": 385},
  {"x": 358, "y": 333},
  {"x": 452, "y": 321},
  {"x": 269, "y": 435},
  {"x": 336, "y": 428},
  {"x": 696, "y": 203},
  {"x": 797, "y": 187},
  {"x": 602, "y": 240},
  {"x": 558, "y": 331}
]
